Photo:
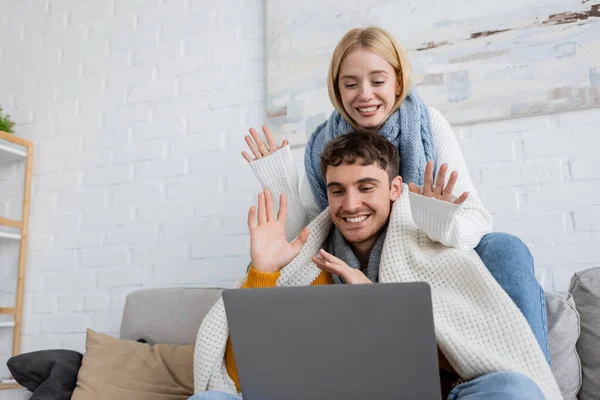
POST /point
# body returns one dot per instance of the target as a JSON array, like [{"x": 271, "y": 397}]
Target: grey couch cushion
[
  {"x": 166, "y": 316},
  {"x": 585, "y": 289},
  {"x": 563, "y": 332}
]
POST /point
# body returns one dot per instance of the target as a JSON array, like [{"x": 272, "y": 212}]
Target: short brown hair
[{"x": 369, "y": 146}]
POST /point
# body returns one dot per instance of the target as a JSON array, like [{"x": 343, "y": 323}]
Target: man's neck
[{"x": 362, "y": 250}]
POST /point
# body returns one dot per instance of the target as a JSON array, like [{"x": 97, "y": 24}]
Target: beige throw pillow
[{"x": 123, "y": 369}]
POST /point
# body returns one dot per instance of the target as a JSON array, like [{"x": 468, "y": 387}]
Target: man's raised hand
[{"x": 269, "y": 249}]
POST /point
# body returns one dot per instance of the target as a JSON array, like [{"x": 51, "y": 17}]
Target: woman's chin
[{"x": 369, "y": 122}]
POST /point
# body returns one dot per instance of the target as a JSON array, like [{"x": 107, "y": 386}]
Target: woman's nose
[{"x": 366, "y": 93}]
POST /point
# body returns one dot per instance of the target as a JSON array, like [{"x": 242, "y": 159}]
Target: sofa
[{"x": 172, "y": 316}]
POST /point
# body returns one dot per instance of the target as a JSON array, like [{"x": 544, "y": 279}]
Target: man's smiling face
[{"x": 360, "y": 200}]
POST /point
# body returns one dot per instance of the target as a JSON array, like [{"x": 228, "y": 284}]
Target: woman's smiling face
[{"x": 368, "y": 87}]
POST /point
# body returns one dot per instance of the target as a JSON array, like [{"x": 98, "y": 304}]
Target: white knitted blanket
[{"x": 477, "y": 326}]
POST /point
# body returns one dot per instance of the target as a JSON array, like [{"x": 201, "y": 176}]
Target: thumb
[
  {"x": 463, "y": 197},
  {"x": 300, "y": 240},
  {"x": 413, "y": 188}
]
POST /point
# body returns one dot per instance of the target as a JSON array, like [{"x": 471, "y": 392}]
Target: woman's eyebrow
[{"x": 375, "y": 72}]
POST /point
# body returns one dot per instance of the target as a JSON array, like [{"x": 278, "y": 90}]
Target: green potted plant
[{"x": 6, "y": 124}]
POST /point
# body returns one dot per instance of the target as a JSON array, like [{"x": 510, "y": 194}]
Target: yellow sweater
[{"x": 256, "y": 279}]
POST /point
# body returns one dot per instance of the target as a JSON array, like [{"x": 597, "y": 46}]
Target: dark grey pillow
[
  {"x": 585, "y": 289},
  {"x": 49, "y": 374}
]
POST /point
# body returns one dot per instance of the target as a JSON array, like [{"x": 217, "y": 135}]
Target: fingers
[
  {"x": 440, "y": 181},
  {"x": 252, "y": 218},
  {"x": 303, "y": 235},
  {"x": 413, "y": 188},
  {"x": 463, "y": 197},
  {"x": 428, "y": 179},
  {"x": 269, "y": 137},
  {"x": 326, "y": 265},
  {"x": 247, "y": 156},
  {"x": 330, "y": 257},
  {"x": 259, "y": 142},
  {"x": 449, "y": 189},
  {"x": 282, "y": 214},
  {"x": 262, "y": 209},
  {"x": 257, "y": 145},
  {"x": 330, "y": 263},
  {"x": 252, "y": 147},
  {"x": 300, "y": 241},
  {"x": 269, "y": 205}
]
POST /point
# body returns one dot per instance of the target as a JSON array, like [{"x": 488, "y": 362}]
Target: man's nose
[{"x": 351, "y": 202}]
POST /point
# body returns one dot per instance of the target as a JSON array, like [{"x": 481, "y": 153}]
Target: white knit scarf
[{"x": 477, "y": 326}]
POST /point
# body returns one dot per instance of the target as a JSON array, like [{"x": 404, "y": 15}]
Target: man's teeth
[
  {"x": 367, "y": 109},
  {"x": 357, "y": 219}
]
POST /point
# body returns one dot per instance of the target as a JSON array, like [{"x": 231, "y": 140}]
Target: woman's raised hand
[
  {"x": 440, "y": 190},
  {"x": 258, "y": 147}
]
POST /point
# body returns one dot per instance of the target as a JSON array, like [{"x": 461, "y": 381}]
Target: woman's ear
[
  {"x": 398, "y": 88},
  {"x": 396, "y": 188}
]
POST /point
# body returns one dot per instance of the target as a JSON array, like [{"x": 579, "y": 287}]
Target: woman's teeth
[
  {"x": 357, "y": 219},
  {"x": 367, "y": 109}
]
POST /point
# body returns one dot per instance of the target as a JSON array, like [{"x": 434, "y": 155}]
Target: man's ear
[{"x": 396, "y": 188}]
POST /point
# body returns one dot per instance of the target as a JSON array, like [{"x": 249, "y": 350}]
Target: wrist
[
  {"x": 257, "y": 279},
  {"x": 265, "y": 269}
]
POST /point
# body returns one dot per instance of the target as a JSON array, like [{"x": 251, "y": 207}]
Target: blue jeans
[
  {"x": 498, "y": 386},
  {"x": 508, "y": 259},
  {"x": 495, "y": 386}
]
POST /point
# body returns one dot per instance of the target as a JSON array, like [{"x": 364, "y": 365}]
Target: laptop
[{"x": 334, "y": 342}]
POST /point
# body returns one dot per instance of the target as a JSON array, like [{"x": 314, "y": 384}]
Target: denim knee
[
  {"x": 499, "y": 245},
  {"x": 517, "y": 383},
  {"x": 498, "y": 386}
]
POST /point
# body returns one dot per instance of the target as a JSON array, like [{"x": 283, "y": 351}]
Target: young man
[{"x": 367, "y": 235}]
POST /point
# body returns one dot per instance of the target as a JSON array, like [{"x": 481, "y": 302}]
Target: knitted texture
[
  {"x": 478, "y": 327},
  {"x": 454, "y": 226},
  {"x": 409, "y": 129}
]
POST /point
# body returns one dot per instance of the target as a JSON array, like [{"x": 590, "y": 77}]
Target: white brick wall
[
  {"x": 138, "y": 110},
  {"x": 547, "y": 191}
]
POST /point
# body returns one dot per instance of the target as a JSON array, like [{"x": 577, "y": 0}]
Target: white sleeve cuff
[
  {"x": 435, "y": 217},
  {"x": 277, "y": 172}
]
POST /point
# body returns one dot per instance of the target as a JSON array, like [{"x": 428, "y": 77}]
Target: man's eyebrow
[
  {"x": 358, "y": 182},
  {"x": 377, "y": 71},
  {"x": 368, "y": 180}
]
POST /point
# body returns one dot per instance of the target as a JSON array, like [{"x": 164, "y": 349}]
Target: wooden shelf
[
  {"x": 16, "y": 148},
  {"x": 11, "y": 223},
  {"x": 10, "y": 152},
  {"x": 10, "y": 235}
]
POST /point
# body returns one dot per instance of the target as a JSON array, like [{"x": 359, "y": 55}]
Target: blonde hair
[{"x": 378, "y": 41}]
